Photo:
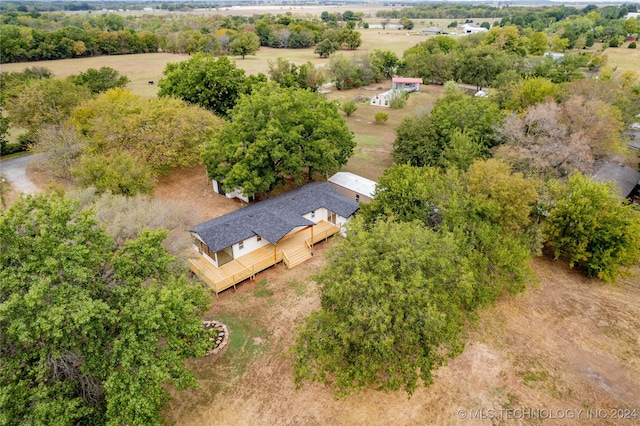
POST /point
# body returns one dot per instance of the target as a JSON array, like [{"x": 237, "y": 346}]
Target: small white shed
[{"x": 353, "y": 186}]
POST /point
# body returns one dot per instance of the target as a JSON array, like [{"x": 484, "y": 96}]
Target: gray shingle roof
[
  {"x": 272, "y": 219},
  {"x": 625, "y": 177}
]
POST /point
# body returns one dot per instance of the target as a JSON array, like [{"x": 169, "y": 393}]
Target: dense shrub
[
  {"x": 381, "y": 117},
  {"x": 11, "y": 148}
]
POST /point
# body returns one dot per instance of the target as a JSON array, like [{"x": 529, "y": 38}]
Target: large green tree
[
  {"x": 245, "y": 43},
  {"x": 45, "y": 101},
  {"x": 213, "y": 83},
  {"x": 428, "y": 250},
  {"x": 98, "y": 81},
  {"x": 593, "y": 228},
  {"x": 385, "y": 61},
  {"x": 288, "y": 74},
  {"x": 435, "y": 59},
  {"x": 490, "y": 223},
  {"x": 157, "y": 135},
  {"x": 326, "y": 47},
  {"x": 91, "y": 332},
  {"x": 389, "y": 310},
  {"x": 480, "y": 65},
  {"x": 424, "y": 140},
  {"x": 277, "y": 134}
]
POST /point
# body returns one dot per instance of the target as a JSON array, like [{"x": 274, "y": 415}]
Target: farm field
[
  {"x": 624, "y": 58},
  {"x": 568, "y": 343},
  {"x": 374, "y": 141}
]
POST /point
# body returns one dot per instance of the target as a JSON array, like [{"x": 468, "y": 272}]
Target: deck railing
[
  {"x": 261, "y": 264},
  {"x": 248, "y": 271}
]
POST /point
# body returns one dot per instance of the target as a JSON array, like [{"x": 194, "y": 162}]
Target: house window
[
  {"x": 241, "y": 245},
  {"x": 313, "y": 214},
  {"x": 358, "y": 197}
]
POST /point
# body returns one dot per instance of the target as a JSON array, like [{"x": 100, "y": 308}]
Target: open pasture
[
  {"x": 623, "y": 58},
  {"x": 372, "y": 155},
  {"x": 142, "y": 68}
]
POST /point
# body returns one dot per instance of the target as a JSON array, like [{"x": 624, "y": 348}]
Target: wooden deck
[{"x": 292, "y": 251}]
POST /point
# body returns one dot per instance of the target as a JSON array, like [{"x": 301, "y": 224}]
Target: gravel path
[{"x": 15, "y": 171}]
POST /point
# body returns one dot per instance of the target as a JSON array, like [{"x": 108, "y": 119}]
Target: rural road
[{"x": 15, "y": 171}]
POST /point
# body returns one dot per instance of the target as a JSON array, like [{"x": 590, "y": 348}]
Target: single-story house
[
  {"x": 354, "y": 187},
  {"x": 406, "y": 83},
  {"x": 625, "y": 178},
  {"x": 633, "y": 15},
  {"x": 471, "y": 28},
  {"x": 238, "y": 245},
  {"x": 237, "y": 193}
]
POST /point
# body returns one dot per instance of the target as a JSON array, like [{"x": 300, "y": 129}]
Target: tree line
[{"x": 33, "y": 35}]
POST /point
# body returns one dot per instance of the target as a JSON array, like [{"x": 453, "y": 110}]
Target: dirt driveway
[{"x": 15, "y": 171}]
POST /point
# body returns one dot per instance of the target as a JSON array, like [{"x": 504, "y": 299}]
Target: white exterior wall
[
  {"x": 196, "y": 248},
  {"x": 340, "y": 221},
  {"x": 381, "y": 99},
  {"x": 250, "y": 245},
  {"x": 323, "y": 214},
  {"x": 237, "y": 193},
  {"x": 407, "y": 87},
  {"x": 320, "y": 214}
]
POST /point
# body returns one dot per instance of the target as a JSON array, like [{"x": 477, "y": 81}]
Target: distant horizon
[{"x": 402, "y": 3}]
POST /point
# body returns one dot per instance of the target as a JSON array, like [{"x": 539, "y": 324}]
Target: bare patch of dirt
[
  {"x": 191, "y": 187},
  {"x": 9, "y": 194}
]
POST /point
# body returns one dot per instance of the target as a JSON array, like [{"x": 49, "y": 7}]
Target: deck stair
[{"x": 296, "y": 256}]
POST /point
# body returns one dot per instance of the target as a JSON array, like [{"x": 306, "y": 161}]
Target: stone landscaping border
[{"x": 221, "y": 339}]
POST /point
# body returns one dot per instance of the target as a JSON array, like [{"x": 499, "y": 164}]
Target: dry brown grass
[
  {"x": 143, "y": 68},
  {"x": 140, "y": 68},
  {"x": 567, "y": 343},
  {"x": 372, "y": 154},
  {"x": 624, "y": 58}
]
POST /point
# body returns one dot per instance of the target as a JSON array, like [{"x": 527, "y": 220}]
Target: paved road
[{"x": 14, "y": 171}]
